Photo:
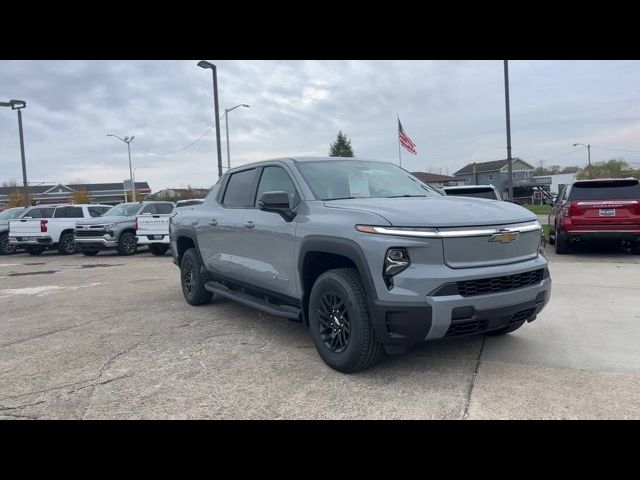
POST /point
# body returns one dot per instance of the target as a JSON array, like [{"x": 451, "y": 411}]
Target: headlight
[
  {"x": 395, "y": 261},
  {"x": 110, "y": 226}
]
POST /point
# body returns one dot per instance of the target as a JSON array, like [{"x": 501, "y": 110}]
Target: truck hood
[
  {"x": 103, "y": 220},
  {"x": 438, "y": 211}
]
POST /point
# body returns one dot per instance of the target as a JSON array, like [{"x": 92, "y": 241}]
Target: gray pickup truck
[
  {"x": 116, "y": 229},
  {"x": 9, "y": 214},
  {"x": 365, "y": 254}
]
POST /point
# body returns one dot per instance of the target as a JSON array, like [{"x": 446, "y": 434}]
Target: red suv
[{"x": 604, "y": 209}]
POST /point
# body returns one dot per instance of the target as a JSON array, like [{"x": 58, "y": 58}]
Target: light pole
[
  {"x": 214, "y": 70},
  {"x": 19, "y": 105},
  {"x": 506, "y": 101},
  {"x": 226, "y": 120},
  {"x": 588, "y": 150},
  {"x": 128, "y": 141}
]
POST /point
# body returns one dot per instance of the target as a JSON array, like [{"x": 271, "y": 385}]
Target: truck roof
[{"x": 306, "y": 159}]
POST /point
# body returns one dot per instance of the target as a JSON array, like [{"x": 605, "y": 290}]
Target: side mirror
[
  {"x": 277, "y": 202},
  {"x": 274, "y": 202}
]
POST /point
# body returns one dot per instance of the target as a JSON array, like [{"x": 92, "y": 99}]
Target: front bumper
[
  {"x": 95, "y": 242},
  {"x": 400, "y": 323},
  {"x": 30, "y": 241}
]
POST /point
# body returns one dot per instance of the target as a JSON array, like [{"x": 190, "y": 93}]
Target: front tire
[
  {"x": 5, "y": 247},
  {"x": 191, "y": 281},
  {"x": 66, "y": 245},
  {"x": 34, "y": 249},
  {"x": 127, "y": 244},
  {"x": 158, "y": 249},
  {"x": 340, "y": 324}
]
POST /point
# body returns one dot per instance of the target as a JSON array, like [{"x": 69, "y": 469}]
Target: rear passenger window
[
  {"x": 60, "y": 212},
  {"x": 239, "y": 186},
  {"x": 74, "y": 212},
  {"x": 164, "y": 208}
]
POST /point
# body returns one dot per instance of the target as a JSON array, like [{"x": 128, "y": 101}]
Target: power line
[
  {"x": 616, "y": 149},
  {"x": 175, "y": 151},
  {"x": 565, "y": 153}
]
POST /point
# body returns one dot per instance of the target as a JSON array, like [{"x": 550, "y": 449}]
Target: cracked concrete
[{"x": 130, "y": 347}]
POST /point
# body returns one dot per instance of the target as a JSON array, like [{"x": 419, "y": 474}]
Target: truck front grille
[
  {"x": 90, "y": 233},
  {"x": 483, "y": 286}
]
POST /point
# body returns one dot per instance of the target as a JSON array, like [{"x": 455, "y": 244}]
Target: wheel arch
[{"x": 319, "y": 253}]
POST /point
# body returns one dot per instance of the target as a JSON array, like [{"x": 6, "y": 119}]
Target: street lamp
[
  {"x": 226, "y": 120},
  {"x": 508, "y": 115},
  {"x": 588, "y": 150},
  {"x": 214, "y": 70},
  {"x": 19, "y": 105},
  {"x": 128, "y": 141}
]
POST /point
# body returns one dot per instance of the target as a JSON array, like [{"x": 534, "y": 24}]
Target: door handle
[
  {"x": 249, "y": 224},
  {"x": 213, "y": 222}
]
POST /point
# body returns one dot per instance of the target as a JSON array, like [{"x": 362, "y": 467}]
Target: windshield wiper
[
  {"x": 406, "y": 196},
  {"x": 338, "y": 198}
]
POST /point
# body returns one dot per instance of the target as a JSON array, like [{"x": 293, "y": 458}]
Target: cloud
[{"x": 453, "y": 111}]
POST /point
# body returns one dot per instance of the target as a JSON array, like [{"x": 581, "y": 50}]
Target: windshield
[
  {"x": 123, "y": 210},
  {"x": 472, "y": 192},
  {"x": 616, "y": 190},
  {"x": 340, "y": 179},
  {"x": 11, "y": 213}
]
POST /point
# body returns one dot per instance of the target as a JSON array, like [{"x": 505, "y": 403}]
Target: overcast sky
[{"x": 453, "y": 111}]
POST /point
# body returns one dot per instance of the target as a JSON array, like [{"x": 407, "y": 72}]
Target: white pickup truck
[
  {"x": 38, "y": 234},
  {"x": 153, "y": 230}
]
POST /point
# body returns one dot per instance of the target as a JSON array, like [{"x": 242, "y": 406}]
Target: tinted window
[
  {"x": 150, "y": 209},
  {"x": 60, "y": 212},
  {"x": 74, "y": 212},
  {"x": 275, "y": 179},
  {"x": 472, "y": 192},
  {"x": 123, "y": 210},
  {"x": 40, "y": 213},
  {"x": 33, "y": 213},
  {"x": 164, "y": 208},
  {"x": 620, "y": 190},
  {"x": 238, "y": 193}
]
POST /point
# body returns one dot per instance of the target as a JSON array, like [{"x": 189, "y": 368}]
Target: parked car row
[{"x": 86, "y": 228}]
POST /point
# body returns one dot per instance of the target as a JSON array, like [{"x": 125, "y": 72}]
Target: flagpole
[{"x": 399, "y": 149}]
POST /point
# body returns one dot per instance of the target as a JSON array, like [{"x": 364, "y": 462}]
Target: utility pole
[
  {"x": 216, "y": 115},
  {"x": 509, "y": 159}
]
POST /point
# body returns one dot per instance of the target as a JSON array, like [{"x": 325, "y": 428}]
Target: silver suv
[{"x": 365, "y": 254}]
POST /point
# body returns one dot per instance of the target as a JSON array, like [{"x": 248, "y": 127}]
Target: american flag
[{"x": 405, "y": 141}]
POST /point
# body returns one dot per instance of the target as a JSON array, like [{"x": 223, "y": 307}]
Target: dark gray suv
[{"x": 365, "y": 254}]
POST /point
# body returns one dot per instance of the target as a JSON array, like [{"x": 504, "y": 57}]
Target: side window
[
  {"x": 33, "y": 213},
  {"x": 277, "y": 179},
  {"x": 164, "y": 208},
  {"x": 46, "y": 212},
  {"x": 74, "y": 212},
  {"x": 60, "y": 212},
  {"x": 239, "y": 186},
  {"x": 151, "y": 209}
]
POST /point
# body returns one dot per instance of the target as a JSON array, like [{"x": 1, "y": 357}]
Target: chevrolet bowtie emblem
[{"x": 505, "y": 236}]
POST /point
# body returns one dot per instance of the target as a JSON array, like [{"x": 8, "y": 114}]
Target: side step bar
[{"x": 254, "y": 302}]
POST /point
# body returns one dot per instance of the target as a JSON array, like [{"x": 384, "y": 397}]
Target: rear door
[
  {"x": 221, "y": 239},
  {"x": 605, "y": 203}
]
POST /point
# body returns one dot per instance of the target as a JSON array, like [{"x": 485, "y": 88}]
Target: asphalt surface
[{"x": 112, "y": 337}]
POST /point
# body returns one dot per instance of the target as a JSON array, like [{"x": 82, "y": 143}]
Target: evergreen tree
[{"x": 341, "y": 147}]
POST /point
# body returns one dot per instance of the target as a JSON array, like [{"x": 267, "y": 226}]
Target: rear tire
[
  {"x": 340, "y": 324},
  {"x": 505, "y": 330},
  {"x": 90, "y": 253},
  {"x": 66, "y": 246},
  {"x": 191, "y": 281},
  {"x": 158, "y": 249},
  {"x": 5, "y": 247},
  {"x": 127, "y": 244},
  {"x": 34, "y": 249},
  {"x": 562, "y": 244}
]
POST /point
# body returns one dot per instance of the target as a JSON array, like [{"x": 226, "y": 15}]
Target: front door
[{"x": 269, "y": 238}]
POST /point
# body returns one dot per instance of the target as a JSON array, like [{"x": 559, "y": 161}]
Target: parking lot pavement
[{"x": 112, "y": 337}]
